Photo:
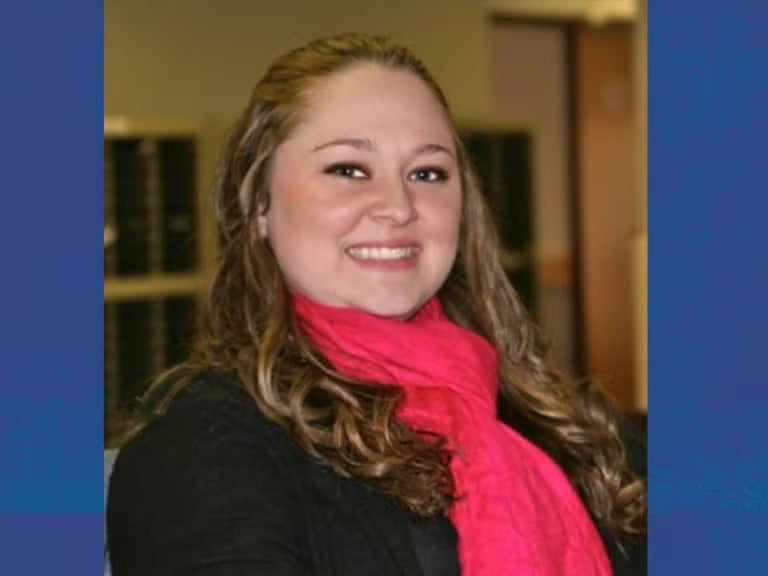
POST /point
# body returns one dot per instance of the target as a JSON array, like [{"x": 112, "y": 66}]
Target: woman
[{"x": 338, "y": 415}]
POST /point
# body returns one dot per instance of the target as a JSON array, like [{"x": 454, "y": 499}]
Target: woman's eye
[
  {"x": 347, "y": 171},
  {"x": 428, "y": 175}
]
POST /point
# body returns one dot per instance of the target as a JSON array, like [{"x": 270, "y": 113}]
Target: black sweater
[{"x": 214, "y": 488}]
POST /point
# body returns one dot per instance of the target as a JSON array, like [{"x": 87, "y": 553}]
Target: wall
[
  {"x": 199, "y": 59},
  {"x": 596, "y": 11},
  {"x": 529, "y": 85}
]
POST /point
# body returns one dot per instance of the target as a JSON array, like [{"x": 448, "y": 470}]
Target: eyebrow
[
  {"x": 432, "y": 148},
  {"x": 368, "y": 145},
  {"x": 359, "y": 143}
]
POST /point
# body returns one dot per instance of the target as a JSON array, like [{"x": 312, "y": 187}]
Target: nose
[{"x": 393, "y": 203}]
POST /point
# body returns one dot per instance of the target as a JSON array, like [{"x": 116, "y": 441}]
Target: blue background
[
  {"x": 708, "y": 274},
  {"x": 51, "y": 291}
]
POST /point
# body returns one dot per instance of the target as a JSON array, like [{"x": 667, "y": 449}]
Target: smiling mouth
[{"x": 382, "y": 253}]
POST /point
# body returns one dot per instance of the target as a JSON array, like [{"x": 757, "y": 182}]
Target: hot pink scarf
[{"x": 517, "y": 513}]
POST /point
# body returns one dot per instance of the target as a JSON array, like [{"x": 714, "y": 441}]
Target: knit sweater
[{"x": 214, "y": 488}]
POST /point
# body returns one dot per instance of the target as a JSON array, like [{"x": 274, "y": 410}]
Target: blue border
[
  {"x": 708, "y": 274},
  {"x": 51, "y": 311},
  {"x": 708, "y": 279},
  {"x": 52, "y": 544}
]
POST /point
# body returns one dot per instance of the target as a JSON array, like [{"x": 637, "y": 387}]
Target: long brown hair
[{"x": 248, "y": 328}]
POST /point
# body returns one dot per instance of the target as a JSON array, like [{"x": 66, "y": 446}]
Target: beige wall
[
  {"x": 198, "y": 59},
  {"x": 596, "y": 11}
]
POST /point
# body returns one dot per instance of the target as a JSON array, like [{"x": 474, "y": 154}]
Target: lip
[{"x": 398, "y": 264}]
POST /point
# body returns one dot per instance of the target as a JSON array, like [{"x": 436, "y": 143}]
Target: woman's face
[{"x": 365, "y": 194}]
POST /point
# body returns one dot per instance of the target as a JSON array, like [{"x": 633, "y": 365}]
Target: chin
[{"x": 401, "y": 309}]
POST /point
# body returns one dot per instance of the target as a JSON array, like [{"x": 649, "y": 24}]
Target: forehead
[{"x": 374, "y": 97}]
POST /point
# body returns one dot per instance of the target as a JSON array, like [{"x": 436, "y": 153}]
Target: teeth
[{"x": 381, "y": 253}]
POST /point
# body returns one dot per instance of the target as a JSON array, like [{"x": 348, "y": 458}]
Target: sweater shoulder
[
  {"x": 210, "y": 476},
  {"x": 211, "y": 416}
]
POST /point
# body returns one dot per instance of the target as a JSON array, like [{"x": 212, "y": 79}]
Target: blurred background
[{"x": 550, "y": 97}]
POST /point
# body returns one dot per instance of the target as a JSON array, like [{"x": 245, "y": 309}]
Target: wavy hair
[{"x": 248, "y": 327}]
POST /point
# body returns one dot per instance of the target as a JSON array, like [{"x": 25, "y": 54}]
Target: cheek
[
  {"x": 446, "y": 215},
  {"x": 291, "y": 199},
  {"x": 304, "y": 217}
]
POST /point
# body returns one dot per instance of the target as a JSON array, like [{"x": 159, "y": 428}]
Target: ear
[{"x": 261, "y": 222}]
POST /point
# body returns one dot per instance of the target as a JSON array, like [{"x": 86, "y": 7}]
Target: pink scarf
[{"x": 517, "y": 513}]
